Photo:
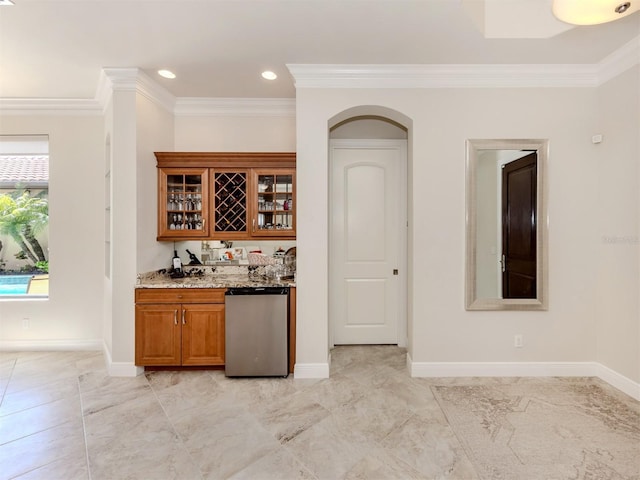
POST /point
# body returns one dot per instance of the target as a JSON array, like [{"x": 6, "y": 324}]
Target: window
[{"x": 24, "y": 216}]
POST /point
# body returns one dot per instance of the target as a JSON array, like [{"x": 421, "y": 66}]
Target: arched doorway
[{"x": 368, "y": 227}]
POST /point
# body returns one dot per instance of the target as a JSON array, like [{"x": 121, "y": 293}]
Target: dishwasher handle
[{"x": 257, "y": 291}]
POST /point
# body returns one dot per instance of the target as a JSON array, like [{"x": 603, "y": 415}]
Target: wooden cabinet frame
[{"x": 220, "y": 162}]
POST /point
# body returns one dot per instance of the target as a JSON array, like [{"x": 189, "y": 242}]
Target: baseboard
[
  {"x": 618, "y": 381},
  {"x": 524, "y": 369},
  {"x": 502, "y": 369},
  {"x": 49, "y": 345},
  {"x": 311, "y": 370},
  {"x": 120, "y": 369}
]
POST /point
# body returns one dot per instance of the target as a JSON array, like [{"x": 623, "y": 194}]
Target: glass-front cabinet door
[
  {"x": 274, "y": 203},
  {"x": 230, "y": 205},
  {"x": 183, "y": 201}
]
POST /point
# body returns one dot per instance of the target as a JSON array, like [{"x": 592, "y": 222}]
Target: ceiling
[{"x": 217, "y": 48}]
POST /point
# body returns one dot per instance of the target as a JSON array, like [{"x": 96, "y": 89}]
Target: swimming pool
[{"x": 14, "y": 284}]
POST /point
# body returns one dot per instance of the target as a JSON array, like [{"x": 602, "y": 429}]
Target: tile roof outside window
[{"x": 26, "y": 170}]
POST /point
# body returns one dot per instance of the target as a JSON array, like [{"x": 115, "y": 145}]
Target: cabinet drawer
[{"x": 180, "y": 295}]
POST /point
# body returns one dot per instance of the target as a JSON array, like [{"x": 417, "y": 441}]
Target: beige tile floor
[{"x": 62, "y": 417}]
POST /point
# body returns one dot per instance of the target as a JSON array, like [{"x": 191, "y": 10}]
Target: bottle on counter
[
  {"x": 176, "y": 262},
  {"x": 193, "y": 259}
]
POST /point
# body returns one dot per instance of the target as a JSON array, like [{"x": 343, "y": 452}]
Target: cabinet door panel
[
  {"x": 158, "y": 334},
  {"x": 274, "y": 203},
  {"x": 203, "y": 334},
  {"x": 183, "y": 209}
]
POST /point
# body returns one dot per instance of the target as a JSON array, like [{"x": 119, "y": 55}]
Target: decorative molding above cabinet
[{"x": 226, "y": 195}]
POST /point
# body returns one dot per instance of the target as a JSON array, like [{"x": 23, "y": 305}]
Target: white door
[{"x": 367, "y": 245}]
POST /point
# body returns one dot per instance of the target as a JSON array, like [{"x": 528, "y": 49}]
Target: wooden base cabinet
[{"x": 188, "y": 333}]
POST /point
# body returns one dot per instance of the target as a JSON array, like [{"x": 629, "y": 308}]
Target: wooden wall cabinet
[
  {"x": 179, "y": 327},
  {"x": 273, "y": 202},
  {"x": 244, "y": 196}
]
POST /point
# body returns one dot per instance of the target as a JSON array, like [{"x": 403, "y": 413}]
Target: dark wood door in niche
[{"x": 519, "y": 227}]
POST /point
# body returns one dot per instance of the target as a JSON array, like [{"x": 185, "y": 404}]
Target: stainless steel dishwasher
[{"x": 256, "y": 332}]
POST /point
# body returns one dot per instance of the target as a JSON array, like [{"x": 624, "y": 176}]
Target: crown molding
[
  {"x": 154, "y": 92},
  {"x": 468, "y": 76},
  {"x": 132, "y": 80},
  {"x": 235, "y": 107},
  {"x": 444, "y": 76},
  {"x": 619, "y": 61},
  {"x": 50, "y": 106},
  {"x": 112, "y": 79}
]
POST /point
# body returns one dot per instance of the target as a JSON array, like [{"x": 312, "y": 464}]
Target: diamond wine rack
[{"x": 230, "y": 201}]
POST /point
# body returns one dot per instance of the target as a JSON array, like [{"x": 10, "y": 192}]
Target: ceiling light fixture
[
  {"x": 269, "y": 75},
  {"x": 166, "y": 74},
  {"x": 593, "y": 12},
  {"x": 5, "y": 3}
]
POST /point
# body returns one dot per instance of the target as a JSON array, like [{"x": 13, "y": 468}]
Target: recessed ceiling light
[
  {"x": 269, "y": 75},
  {"x": 6, "y": 2},
  {"x": 166, "y": 74}
]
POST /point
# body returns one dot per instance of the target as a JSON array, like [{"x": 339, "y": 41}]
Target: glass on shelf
[{"x": 178, "y": 221}]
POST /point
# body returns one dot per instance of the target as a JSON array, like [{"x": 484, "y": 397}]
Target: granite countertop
[{"x": 211, "y": 277}]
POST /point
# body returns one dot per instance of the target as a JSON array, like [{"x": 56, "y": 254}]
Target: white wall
[
  {"x": 618, "y": 187},
  {"x": 124, "y": 227},
  {"x": 108, "y": 194},
  {"x": 235, "y": 134},
  {"x": 137, "y": 126},
  {"x": 73, "y": 313},
  {"x": 440, "y": 329},
  {"x": 154, "y": 134}
]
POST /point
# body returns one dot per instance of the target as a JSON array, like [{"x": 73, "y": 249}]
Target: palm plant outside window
[{"x": 24, "y": 216}]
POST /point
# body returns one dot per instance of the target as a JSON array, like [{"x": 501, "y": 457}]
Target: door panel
[
  {"x": 365, "y": 213},
  {"x": 519, "y": 227},
  {"x": 365, "y": 299},
  {"x": 203, "y": 334},
  {"x": 158, "y": 334},
  {"x": 366, "y": 228}
]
